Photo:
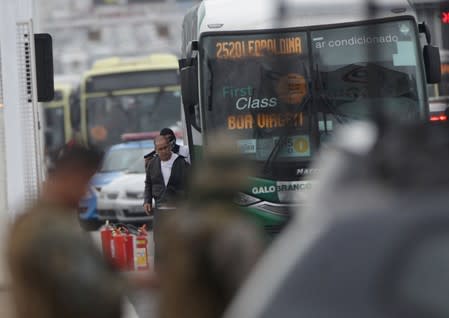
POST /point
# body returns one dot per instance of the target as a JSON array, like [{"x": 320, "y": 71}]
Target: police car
[{"x": 118, "y": 159}]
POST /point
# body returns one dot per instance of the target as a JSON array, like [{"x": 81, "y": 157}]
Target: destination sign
[
  {"x": 265, "y": 121},
  {"x": 239, "y": 49}
]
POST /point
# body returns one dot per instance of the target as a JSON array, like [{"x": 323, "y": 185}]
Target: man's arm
[
  {"x": 148, "y": 192},
  {"x": 184, "y": 169}
]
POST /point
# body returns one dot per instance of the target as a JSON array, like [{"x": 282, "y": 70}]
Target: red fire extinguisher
[
  {"x": 119, "y": 249},
  {"x": 141, "y": 251},
  {"x": 125, "y": 250},
  {"x": 106, "y": 241},
  {"x": 129, "y": 248}
]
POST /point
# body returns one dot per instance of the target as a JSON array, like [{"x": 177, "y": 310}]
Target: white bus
[{"x": 282, "y": 86}]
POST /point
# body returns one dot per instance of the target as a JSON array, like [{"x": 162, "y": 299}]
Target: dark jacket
[{"x": 154, "y": 182}]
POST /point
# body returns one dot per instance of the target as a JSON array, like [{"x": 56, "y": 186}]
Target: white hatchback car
[{"x": 123, "y": 197}]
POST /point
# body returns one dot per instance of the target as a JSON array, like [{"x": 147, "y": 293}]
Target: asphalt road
[{"x": 138, "y": 305}]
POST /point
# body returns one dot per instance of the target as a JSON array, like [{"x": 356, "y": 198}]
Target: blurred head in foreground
[
  {"x": 68, "y": 181},
  {"x": 373, "y": 240}
]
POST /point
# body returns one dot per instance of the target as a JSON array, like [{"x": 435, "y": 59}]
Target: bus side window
[{"x": 75, "y": 111}]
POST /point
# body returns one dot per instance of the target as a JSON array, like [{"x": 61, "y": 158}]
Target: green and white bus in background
[{"x": 282, "y": 86}]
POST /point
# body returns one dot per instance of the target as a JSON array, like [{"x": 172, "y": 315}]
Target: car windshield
[
  {"x": 111, "y": 116},
  {"x": 137, "y": 167},
  {"x": 281, "y": 95},
  {"x": 122, "y": 159}
]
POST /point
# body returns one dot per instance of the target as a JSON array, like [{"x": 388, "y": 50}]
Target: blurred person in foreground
[
  {"x": 165, "y": 182},
  {"x": 56, "y": 270},
  {"x": 211, "y": 247},
  {"x": 373, "y": 239}
]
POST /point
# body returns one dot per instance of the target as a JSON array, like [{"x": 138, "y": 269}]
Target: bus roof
[
  {"x": 238, "y": 15},
  {"x": 63, "y": 87},
  {"x": 120, "y": 64},
  {"x": 66, "y": 82}
]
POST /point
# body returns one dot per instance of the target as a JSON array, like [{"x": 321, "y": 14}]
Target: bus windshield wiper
[
  {"x": 339, "y": 117},
  {"x": 274, "y": 152},
  {"x": 288, "y": 128},
  {"x": 282, "y": 138},
  {"x": 323, "y": 100}
]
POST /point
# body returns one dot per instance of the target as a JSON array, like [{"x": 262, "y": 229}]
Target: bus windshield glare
[{"x": 282, "y": 94}]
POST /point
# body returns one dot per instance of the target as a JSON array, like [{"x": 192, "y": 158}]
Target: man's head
[
  {"x": 163, "y": 148},
  {"x": 169, "y": 134},
  {"x": 68, "y": 181}
]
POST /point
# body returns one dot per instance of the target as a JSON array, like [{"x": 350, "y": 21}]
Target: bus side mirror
[
  {"x": 431, "y": 56},
  {"x": 188, "y": 68},
  {"x": 432, "y": 64},
  {"x": 44, "y": 67},
  {"x": 189, "y": 86}
]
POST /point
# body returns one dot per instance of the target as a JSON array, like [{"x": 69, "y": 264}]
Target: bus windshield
[
  {"x": 257, "y": 89},
  {"x": 281, "y": 94},
  {"x": 108, "y": 117},
  {"x": 365, "y": 69}
]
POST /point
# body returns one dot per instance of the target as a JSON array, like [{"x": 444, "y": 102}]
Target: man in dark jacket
[{"x": 165, "y": 182}]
